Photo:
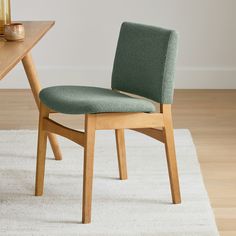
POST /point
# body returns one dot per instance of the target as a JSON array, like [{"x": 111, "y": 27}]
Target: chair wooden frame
[{"x": 156, "y": 125}]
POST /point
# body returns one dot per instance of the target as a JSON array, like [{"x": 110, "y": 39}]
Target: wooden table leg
[{"x": 31, "y": 73}]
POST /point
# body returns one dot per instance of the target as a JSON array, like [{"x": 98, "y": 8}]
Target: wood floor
[{"x": 210, "y": 115}]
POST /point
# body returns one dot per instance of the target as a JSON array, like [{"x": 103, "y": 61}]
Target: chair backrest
[{"x": 145, "y": 62}]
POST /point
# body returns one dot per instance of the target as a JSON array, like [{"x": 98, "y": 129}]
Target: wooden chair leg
[
  {"x": 41, "y": 152},
  {"x": 170, "y": 154},
  {"x": 88, "y": 167},
  {"x": 120, "y": 145}
]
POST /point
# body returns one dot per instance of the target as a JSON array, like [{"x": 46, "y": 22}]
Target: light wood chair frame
[{"x": 156, "y": 125}]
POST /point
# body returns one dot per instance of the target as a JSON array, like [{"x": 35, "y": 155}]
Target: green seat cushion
[{"x": 88, "y": 100}]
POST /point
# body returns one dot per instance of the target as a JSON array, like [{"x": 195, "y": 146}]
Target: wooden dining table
[{"x": 11, "y": 53}]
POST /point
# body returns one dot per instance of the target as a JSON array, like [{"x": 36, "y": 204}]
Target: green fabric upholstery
[
  {"x": 144, "y": 65},
  {"x": 145, "y": 61},
  {"x": 88, "y": 100}
]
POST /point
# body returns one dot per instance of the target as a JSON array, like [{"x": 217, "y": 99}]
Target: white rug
[{"x": 139, "y": 206}]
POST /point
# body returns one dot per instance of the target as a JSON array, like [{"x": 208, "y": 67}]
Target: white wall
[{"x": 80, "y": 48}]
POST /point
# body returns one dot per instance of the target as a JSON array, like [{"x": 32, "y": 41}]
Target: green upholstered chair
[{"x": 144, "y": 65}]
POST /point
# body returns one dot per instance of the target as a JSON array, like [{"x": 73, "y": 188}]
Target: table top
[{"x": 12, "y": 52}]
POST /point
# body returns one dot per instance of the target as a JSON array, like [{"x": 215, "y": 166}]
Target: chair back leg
[
  {"x": 168, "y": 133},
  {"x": 90, "y": 122},
  {"x": 41, "y": 152},
  {"x": 120, "y": 145}
]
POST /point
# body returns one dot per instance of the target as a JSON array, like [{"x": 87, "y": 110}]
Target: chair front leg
[
  {"x": 120, "y": 145},
  {"x": 170, "y": 153},
  {"x": 88, "y": 167},
  {"x": 41, "y": 152}
]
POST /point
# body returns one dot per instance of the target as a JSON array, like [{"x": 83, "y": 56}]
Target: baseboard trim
[{"x": 186, "y": 77}]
